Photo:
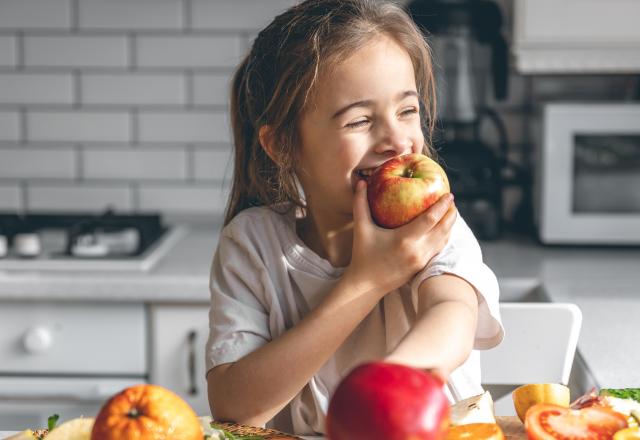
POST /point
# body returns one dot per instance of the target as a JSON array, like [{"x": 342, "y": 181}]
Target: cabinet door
[
  {"x": 577, "y": 36},
  {"x": 178, "y": 337}
]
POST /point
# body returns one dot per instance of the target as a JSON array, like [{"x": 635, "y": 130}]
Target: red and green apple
[{"x": 404, "y": 187}]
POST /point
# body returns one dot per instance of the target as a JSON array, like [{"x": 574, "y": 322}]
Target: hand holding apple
[
  {"x": 404, "y": 187},
  {"x": 385, "y": 401}
]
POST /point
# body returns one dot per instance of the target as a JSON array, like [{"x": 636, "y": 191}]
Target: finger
[
  {"x": 449, "y": 218},
  {"x": 445, "y": 225},
  {"x": 361, "y": 212},
  {"x": 432, "y": 216}
]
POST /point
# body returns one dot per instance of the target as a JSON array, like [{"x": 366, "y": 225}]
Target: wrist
[{"x": 359, "y": 285}]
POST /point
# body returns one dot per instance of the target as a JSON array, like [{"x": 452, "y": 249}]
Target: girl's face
[{"x": 365, "y": 111}]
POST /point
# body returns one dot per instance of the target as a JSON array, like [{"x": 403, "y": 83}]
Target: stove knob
[
  {"x": 27, "y": 244},
  {"x": 37, "y": 339},
  {"x": 3, "y": 246}
]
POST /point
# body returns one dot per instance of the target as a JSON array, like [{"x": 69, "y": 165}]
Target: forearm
[
  {"x": 443, "y": 334},
  {"x": 255, "y": 388},
  {"x": 441, "y": 338}
]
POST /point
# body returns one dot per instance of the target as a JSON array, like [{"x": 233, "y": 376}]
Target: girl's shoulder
[{"x": 259, "y": 220}]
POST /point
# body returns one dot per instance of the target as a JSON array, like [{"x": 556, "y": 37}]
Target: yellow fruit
[
  {"x": 75, "y": 429},
  {"x": 526, "y": 396},
  {"x": 627, "y": 434}
]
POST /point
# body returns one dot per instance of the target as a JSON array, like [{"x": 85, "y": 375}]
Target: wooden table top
[{"x": 512, "y": 427}]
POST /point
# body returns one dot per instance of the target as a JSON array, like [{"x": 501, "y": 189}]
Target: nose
[{"x": 393, "y": 140}]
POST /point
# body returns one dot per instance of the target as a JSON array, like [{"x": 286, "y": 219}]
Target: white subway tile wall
[
  {"x": 35, "y": 14},
  {"x": 133, "y": 89},
  {"x": 54, "y": 196},
  {"x": 38, "y": 163},
  {"x": 11, "y": 197},
  {"x": 7, "y": 51},
  {"x": 9, "y": 126},
  {"x": 75, "y": 51},
  {"x": 123, "y": 103},
  {"x": 120, "y": 103}
]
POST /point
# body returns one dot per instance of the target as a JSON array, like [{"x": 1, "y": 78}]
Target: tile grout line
[
  {"x": 75, "y": 16},
  {"x": 187, "y": 24},
  {"x": 19, "y": 57}
]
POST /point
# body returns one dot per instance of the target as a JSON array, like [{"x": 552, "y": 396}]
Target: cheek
[{"x": 418, "y": 142}]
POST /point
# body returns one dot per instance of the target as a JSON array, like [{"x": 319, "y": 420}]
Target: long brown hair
[{"x": 276, "y": 79}]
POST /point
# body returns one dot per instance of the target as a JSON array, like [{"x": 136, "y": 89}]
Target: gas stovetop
[{"x": 70, "y": 241}]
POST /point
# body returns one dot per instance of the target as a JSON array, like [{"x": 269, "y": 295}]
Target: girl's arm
[
  {"x": 255, "y": 388},
  {"x": 442, "y": 337}
]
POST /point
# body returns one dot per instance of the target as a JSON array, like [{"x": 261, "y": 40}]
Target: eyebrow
[{"x": 369, "y": 102}]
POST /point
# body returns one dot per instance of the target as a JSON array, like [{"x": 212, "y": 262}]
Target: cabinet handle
[{"x": 191, "y": 362}]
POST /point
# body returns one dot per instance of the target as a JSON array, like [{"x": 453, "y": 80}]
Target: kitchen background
[{"x": 123, "y": 104}]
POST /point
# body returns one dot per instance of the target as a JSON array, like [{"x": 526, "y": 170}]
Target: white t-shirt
[{"x": 264, "y": 280}]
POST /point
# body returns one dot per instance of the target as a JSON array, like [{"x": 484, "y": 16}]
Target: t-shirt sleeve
[
  {"x": 462, "y": 257},
  {"x": 238, "y": 315}
]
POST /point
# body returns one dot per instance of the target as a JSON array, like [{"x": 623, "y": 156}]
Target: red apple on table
[
  {"x": 404, "y": 187},
  {"x": 384, "y": 401}
]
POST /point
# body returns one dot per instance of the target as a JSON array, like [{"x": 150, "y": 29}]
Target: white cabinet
[
  {"x": 69, "y": 338},
  {"x": 67, "y": 358},
  {"x": 178, "y": 337},
  {"x": 577, "y": 36}
]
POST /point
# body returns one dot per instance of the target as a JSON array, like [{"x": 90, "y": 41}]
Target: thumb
[{"x": 361, "y": 213}]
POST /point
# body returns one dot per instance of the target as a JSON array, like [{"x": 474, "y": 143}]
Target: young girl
[{"x": 304, "y": 286}]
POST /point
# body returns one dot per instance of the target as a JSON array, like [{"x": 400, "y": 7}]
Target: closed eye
[
  {"x": 409, "y": 111},
  {"x": 358, "y": 124}
]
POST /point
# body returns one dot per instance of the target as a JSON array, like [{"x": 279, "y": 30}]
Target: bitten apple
[
  {"x": 384, "y": 401},
  {"x": 403, "y": 187}
]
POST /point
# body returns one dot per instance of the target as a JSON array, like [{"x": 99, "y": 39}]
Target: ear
[{"x": 268, "y": 143}]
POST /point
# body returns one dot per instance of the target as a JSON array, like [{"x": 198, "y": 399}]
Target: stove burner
[{"x": 86, "y": 235}]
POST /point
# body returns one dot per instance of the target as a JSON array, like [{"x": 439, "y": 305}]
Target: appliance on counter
[
  {"x": 457, "y": 29},
  {"x": 588, "y": 176},
  {"x": 70, "y": 241}
]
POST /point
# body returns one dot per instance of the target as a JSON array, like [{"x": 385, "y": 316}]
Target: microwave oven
[{"x": 588, "y": 174}]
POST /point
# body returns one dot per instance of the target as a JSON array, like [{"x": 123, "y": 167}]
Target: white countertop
[{"x": 603, "y": 282}]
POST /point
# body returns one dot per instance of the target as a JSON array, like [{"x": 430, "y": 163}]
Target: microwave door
[{"x": 589, "y": 174}]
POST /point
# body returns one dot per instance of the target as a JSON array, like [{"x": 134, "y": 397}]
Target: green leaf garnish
[
  {"x": 226, "y": 435},
  {"x": 622, "y": 393},
  {"x": 52, "y": 421}
]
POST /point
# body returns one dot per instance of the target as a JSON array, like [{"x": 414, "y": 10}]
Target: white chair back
[{"x": 539, "y": 347}]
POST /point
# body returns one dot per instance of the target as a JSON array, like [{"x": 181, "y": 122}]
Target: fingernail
[{"x": 450, "y": 197}]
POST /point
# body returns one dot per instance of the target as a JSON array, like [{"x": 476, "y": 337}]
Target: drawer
[{"x": 73, "y": 338}]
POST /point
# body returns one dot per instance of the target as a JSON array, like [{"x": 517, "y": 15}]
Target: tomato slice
[
  {"x": 475, "y": 431},
  {"x": 552, "y": 422}
]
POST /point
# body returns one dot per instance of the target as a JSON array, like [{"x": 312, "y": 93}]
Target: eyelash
[{"x": 363, "y": 122}]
